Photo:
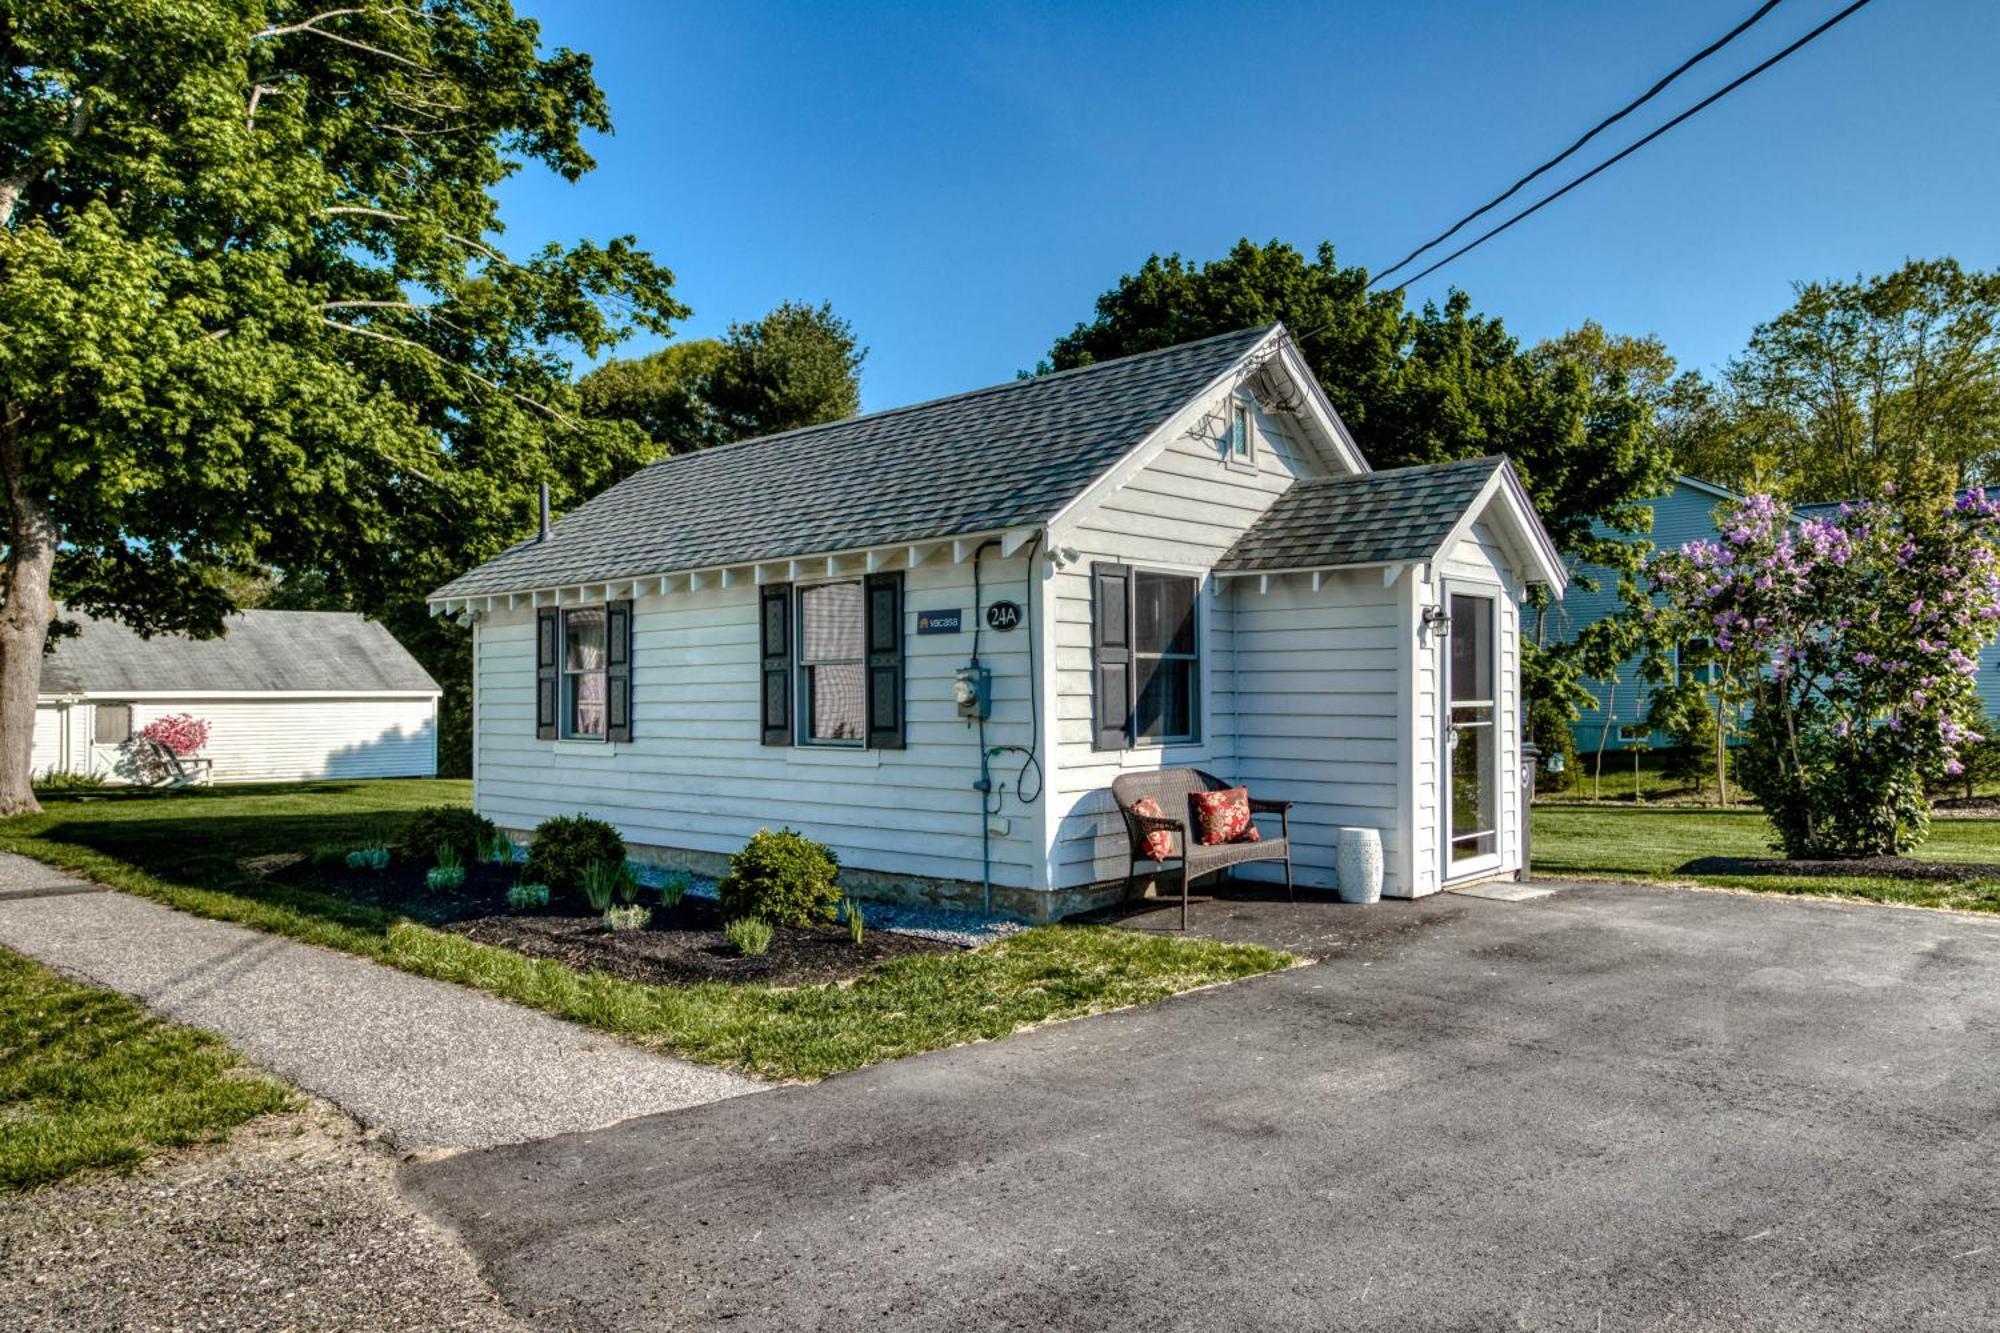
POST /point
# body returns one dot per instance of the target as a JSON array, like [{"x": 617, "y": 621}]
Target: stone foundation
[{"x": 1036, "y": 905}]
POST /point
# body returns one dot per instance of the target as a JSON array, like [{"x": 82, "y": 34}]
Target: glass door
[{"x": 1472, "y": 738}]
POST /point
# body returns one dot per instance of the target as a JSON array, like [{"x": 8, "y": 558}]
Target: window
[
  {"x": 114, "y": 724},
  {"x": 833, "y": 666},
  {"x": 583, "y": 673},
  {"x": 1695, "y": 661},
  {"x": 584, "y": 676},
  {"x": 1239, "y": 433},
  {"x": 832, "y": 663},
  {"x": 1147, "y": 657}
]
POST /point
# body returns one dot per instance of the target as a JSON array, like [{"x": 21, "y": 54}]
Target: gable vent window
[
  {"x": 1240, "y": 442},
  {"x": 833, "y": 663},
  {"x": 583, "y": 670},
  {"x": 1147, "y": 657}
]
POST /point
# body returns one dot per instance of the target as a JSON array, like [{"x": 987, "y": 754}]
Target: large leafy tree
[
  {"x": 1576, "y": 414},
  {"x": 800, "y": 365},
  {"x": 1419, "y": 386},
  {"x": 254, "y": 311},
  {"x": 1854, "y": 385}
]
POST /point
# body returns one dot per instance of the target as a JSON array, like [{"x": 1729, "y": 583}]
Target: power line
[
  {"x": 1612, "y": 161},
  {"x": 1590, "y": 134}
]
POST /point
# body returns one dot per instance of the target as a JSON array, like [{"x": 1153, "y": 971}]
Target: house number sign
[{"x": 1003, "y": 616}]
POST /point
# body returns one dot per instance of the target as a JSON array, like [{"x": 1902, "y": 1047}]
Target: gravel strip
[
  {"x": 293, "y": 1224},
  {"x": 947, "y": 925},
  {"x": 430, "y": 1065}
]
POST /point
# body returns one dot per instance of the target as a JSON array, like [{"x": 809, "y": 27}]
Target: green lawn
[
  {"x": 183, "y": 849},
  {"x": 1658, "y": 842},
  {"x": 88, "y": 1079}
]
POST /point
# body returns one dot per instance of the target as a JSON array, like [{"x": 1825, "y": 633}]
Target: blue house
[{"x": 1686, "y": 513}]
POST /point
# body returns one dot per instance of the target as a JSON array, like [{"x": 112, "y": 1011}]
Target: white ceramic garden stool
[{"x": 1358, "y": 860}]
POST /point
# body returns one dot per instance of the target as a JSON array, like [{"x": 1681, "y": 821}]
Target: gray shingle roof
[
  {"x": 262, "y": 650},
  {"x": 1002, "y": 457},
  {"x": 1368, "y": 518}
]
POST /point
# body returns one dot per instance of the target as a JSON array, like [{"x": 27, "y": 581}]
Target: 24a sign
[{"x": 1003, "y": 616}]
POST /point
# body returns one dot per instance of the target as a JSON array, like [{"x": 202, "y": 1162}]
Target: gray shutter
[
  {"x": 1111, "y": 656},
  {"x": 618, "y": 671},
  {"x": 775, "y": 637},
  {"x": 884, "y": 613},
  {"x": 548, "y": 661}
]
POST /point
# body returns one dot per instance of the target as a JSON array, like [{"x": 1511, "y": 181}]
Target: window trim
[
  {"x": 802, "y": 737},
  {"x": 565, "y": 677},
  {"x": 1240, "y": 412},
  {"x": 1133, "y": 743}
]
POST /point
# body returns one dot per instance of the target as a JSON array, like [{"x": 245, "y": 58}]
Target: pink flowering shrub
[
  {"x": 1856, "y": 638},
  {"x": 182, "y": 733}
]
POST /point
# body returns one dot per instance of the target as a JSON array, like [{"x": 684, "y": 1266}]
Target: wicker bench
[{"x": 1173, "y": 788}]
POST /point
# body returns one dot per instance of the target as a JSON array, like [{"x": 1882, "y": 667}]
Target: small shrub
[
  {"x": 454, "y": 825},
  {"x": 448, "y": 875},
  {"x": 605, "y": 880},
  {"x": 566, "y": 846},
  {"x": 785, "y": 878},
  {"x": 750, "y": 936},
  {"x": 673, "y": 889},
  {"x": 497, "y": 849},
  {"x": 528, "y": 897},
  {"x": 628, "y": 917},
  {"x": 328, "y": 854},
  {"x": 369, "y": 858},
  {"x": 856, "y": 926},
  {"x": 61, "y": 784}
]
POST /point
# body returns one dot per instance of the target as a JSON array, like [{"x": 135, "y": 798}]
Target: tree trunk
[{"x": 24, "y": 629}]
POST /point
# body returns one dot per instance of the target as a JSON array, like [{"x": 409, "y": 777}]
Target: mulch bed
[
  {"x": 1966, "y": 807},
  {"x": 1869, "y": 867},
  {"x": 681, "y": 946}
]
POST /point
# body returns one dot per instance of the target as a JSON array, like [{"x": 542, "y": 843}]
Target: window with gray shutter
[
  {"x": 885, "y": 661},
  {"x": 618, "y": 671},
  {"x": 1111, "y": 655},
  {"x": 774, "y": 634},
  {"x": 548, "y": 675}
]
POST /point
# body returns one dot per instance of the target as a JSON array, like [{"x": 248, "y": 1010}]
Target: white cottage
[
  {"x": 287, "y": 695},
  {"x": 932, "y": 636}
]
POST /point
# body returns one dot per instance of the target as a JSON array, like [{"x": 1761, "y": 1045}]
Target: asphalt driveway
[{"x": 1607, "y": 1109}]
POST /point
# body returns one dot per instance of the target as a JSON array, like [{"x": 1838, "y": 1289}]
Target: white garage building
[{"x": 287, "y": 695}]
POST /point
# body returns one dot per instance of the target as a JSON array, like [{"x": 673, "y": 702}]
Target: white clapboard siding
[
  {"x": 1179, "y": 513},
  {"x": 275, "y": 738},
  {"x": 695, "y": 777},
  {"x": 52, "y": 728},
  {"x": 1330, "y": 713}
]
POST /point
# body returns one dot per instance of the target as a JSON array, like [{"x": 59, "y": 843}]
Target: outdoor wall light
[{"x": 1437, "y": 620}]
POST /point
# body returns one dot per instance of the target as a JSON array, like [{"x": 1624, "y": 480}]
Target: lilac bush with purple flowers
[{"x": 1856, "y": 639}]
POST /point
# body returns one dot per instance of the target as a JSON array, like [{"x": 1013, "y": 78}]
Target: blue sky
[{"x": 962, "y": 181}]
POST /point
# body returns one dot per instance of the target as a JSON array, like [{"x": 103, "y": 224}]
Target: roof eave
[{"x": 832, "y": 564}]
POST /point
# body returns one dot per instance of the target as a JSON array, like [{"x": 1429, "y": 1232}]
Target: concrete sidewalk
[{"x": 430, "y": 1065}]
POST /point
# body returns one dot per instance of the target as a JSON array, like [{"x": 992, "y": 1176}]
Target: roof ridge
[{"x": 1020, "y": 382}]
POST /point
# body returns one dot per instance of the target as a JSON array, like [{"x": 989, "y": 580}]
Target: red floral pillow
[
  {"x": 1159, "y": 842},
  {"x": 1223, "y": 816}
]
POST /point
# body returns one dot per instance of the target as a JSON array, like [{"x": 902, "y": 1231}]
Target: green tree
[
  {"x": 1854, "y": 385},
  {"x": 799, "y": 365},
  {"x": 1419, "y": 386},
  {"x": 252, "y": 314},
  {"x": 1437, "y": 384}
]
